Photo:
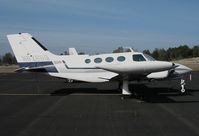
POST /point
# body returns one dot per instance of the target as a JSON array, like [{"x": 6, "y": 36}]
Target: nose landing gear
[{"x": 182, "y": 83}]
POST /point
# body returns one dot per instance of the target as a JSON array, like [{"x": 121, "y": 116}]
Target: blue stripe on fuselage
[
  {"x": 51, "y": 69},
  {"x": 80, "y": 67},
  {"x": 49, "y": 65},
  {"x": 35, "y": 64}
]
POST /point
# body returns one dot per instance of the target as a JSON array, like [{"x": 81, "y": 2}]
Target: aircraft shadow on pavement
[
  {"x": 160, "y": 94},
  {"x": 68, "y": 91},
  {"x": 141, "y": 92}
]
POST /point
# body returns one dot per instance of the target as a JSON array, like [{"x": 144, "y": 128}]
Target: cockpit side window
[{"x": 138, "y": 57}]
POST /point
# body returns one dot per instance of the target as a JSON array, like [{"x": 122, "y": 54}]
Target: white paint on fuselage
[
  {"x": 69, "y": 63},
  {"x": 74, "y": 66}
]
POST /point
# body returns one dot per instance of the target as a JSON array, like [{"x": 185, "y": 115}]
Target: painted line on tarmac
[
  {"x": 93, "y": 94},
  {"x": 20, "y": 94},
  {"x": 75, "y": 94}
]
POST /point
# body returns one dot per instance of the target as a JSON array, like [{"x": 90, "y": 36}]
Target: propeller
[
  {"x": 174, "y": 65},
  {"x": 172, "y": 70}
]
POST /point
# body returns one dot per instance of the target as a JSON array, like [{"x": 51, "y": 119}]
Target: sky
[{"x": 100, "y": 26}]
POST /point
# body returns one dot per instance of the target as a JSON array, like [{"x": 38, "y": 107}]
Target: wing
[{"x": 87, "y": 77}]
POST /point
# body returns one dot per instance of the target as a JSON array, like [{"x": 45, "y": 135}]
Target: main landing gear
[{"x": 125, "y": 88}]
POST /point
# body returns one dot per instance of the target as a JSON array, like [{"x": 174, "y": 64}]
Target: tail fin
[{"x": 27, "y": 49}]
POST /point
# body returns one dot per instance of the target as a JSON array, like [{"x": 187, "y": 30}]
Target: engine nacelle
[{"x": 158, "y": 75}]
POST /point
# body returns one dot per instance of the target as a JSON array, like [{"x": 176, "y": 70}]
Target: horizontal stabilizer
[
  {"x": 19, "y": 70},
  {"x": 47, "y": 68}
]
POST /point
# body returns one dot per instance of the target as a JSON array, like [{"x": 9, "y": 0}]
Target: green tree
[
  {"x": 170, "y": 53},
  {"x": 146, "y": 52},
  {"x": 0, "y": 60},
  {"x": 9, "y": 59},
  {"x": 155, "y": 54},
  {"x": 118, "y": 50},
  {"x": 195, "y": 51},
  {"x": 179, "y": 52},
  {"x": 81, "y": 53},
  {"x": 163, "y": 55},
  {"x": 183, "y": 52}
]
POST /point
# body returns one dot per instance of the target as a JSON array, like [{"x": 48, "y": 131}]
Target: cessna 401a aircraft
[{"x": 123, "y": 67}]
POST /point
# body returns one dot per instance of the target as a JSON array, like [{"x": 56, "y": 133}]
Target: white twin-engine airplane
[{"x": 124, "y": 67}]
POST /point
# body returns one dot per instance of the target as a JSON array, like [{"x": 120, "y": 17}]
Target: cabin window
[
  {"x": 98, "y": 60},
  {"x": 121, "y": 58},
  {"x": 87, "y": 61},
  {"x": 109, "y": 59},
  {"x": 138, "y": 57}
]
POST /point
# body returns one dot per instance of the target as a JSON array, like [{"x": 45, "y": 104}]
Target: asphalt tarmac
[{"x": 38, "y": 105}]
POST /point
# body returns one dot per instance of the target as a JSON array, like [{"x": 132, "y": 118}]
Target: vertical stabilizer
[{"x": 27, "y": 49}]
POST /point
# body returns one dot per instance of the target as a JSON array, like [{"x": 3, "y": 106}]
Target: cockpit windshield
[{"x": 149, "y": 57}]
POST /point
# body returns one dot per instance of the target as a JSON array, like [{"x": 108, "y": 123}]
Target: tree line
[
  {"x": 176, "y": 53},
  {"x": 169, "y": 54},
  {"x": 7, "y": 59}
]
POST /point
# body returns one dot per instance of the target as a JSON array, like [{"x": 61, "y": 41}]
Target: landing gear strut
[
  {"x": 182, "y": 83},
  {"x": 125, "y": 88}
]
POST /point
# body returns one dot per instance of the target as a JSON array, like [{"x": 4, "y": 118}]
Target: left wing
[{"x": 87, "y": 77}]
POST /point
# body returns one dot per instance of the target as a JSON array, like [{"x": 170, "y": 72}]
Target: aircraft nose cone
[
  {"x": 182, "y": 69},
  {"x": 188, "y": 69}
]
